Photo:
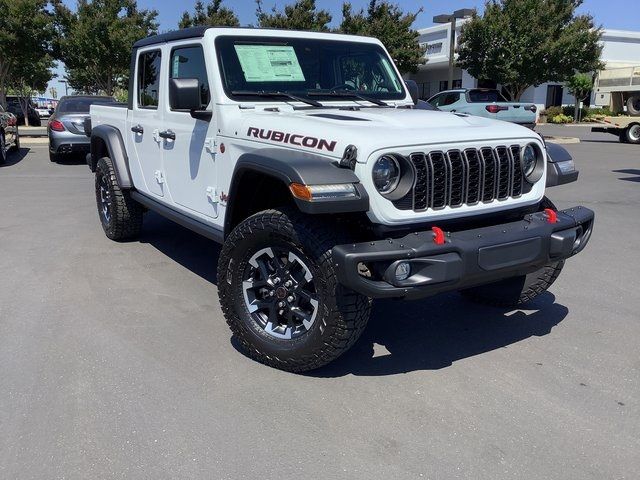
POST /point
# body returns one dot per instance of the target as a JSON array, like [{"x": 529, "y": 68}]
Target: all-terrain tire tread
[
  {"x": 354, "y": 309},
  {"x": 126, "y": 214}
]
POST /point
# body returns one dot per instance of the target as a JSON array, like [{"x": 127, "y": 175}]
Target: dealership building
[{"x": 620, "y": 49}]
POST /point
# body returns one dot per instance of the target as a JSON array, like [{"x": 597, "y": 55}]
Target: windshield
[
  {"x": 80, "y": 104},
  {"x": 306, "y": 68},
  {"x": 481, "y": 96}
]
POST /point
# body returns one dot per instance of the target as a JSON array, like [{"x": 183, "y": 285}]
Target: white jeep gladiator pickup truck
[{"x": 302, "y": 153}]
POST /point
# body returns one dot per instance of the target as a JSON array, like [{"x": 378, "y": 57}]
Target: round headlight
[
  {"x": 386, "y": 174},
  {"x": 529, "y": 160},
  {"x": 532, "y": 161}
]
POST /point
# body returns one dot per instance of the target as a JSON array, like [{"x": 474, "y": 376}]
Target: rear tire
[
  {"x": 280, "y": 294},
  {"x": 633, "y": 105},
  {"x": 632, "y": 133},
  {"x": 54, "y": 157},
  {"x": 120, "y": 215}
]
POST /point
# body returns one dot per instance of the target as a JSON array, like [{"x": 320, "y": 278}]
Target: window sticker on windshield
[{"x": 269, "y": 63}]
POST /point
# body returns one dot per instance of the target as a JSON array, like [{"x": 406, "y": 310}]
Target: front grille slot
[{"x": 463, "y": 177}]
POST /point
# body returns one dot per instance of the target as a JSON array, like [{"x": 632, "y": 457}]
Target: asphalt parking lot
[{"x": 116, "y": 361}]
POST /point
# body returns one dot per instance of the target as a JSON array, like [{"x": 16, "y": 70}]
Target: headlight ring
[
  {"x": 393, "y": 176},
  {"x": 532, "y": 162}
]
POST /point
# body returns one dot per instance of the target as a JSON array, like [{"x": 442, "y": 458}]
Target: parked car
[
  {"x": 13, "y": 106},
  {"x": 487, "y": 103},
  {"x": 44, "y": 112},
  {"x": 66, "y": 126},
  {"x": 304, "y": 155},
  {"x": 9, "y": 134}
]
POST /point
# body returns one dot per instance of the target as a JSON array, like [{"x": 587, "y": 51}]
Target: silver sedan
[{"x": 66, "y": 126}]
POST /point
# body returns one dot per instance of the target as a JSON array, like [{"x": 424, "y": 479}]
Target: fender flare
[
  {"x": 112, "y": 138},
  {"x": 290, "y": 166}
]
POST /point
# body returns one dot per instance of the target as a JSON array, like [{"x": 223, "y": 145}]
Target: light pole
[
  {"x": 66, "y": 86},
  {"x": 451, "y": 19}
]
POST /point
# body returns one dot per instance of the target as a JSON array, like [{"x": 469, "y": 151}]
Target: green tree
[
  {"x": 523, "y": 43},
  {"x": 28, "y": 78},
  {"x": 53, "y": 91},
  {"x": 26, "y": 31},
  {"x": 95, "y": 41},
  {"x": 302, "y": 15},
  {"x": 213, "y": 15},
  {"x": 392, "y": 27},
  {"x": 580, "y": 86}
]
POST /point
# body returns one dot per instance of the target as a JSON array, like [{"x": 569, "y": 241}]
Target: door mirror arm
[{"x": 205, "y": 115}]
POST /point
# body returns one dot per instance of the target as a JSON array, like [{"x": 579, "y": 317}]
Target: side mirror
[
  {"x": 412, "y": 86},
  {"x": 184, "y": 94}
]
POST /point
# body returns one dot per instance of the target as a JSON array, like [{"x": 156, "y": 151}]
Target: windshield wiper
[
  {"x": 346, "y": 94},
  {"x": 262, "y": 93}
]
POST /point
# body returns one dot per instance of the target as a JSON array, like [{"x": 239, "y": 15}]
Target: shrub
[
  {"x": 570, "y": 111},
  {"x": 552, "y": 112},
  {"x": 593, "y": 111},
  {"x": 560, "y": 118}
]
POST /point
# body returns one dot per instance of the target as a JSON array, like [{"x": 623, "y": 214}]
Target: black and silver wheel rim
[
  {"x": 280, "y": 293},
  {"x": 104, "y": 199},
  {"x": 634, "y": 133}
]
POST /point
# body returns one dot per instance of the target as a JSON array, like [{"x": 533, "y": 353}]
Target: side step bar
[{"x": 193, "y": 224}]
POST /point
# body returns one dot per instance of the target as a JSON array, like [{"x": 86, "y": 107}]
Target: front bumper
[{"x": 467, "y": 258}]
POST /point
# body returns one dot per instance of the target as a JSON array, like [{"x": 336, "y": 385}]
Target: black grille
[{"x": 458, "y": 177}]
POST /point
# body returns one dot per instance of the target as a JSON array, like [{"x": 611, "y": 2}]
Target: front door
[
  {"x": 190, "y": 158},
  {"x": 144, "y": 123}
]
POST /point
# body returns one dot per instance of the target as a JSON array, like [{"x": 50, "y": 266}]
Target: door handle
[
  {"x": 137, "y": 129},
  {"x": 167, "y": 135}
]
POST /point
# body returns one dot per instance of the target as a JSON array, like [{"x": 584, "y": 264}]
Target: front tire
[
  {"x": 120, "y": 215},
  {"x": 280, "y": 295}
]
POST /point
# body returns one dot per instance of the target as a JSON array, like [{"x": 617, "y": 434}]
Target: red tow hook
[
  {"x": 552, "y": 216},
  {"x": 438, "y": 235}
]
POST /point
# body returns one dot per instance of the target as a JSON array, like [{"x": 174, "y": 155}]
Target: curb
[
  {"x": 562, "y": 140},
  {"x": 34, "y": 140}
]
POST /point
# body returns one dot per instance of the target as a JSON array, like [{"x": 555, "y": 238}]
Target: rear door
[
  {"x": 190, "y": 158},
  {"x": 144, "y": 123}
]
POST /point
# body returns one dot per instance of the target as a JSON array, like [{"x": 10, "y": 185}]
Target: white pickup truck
[{"x": 303, "y": 154}]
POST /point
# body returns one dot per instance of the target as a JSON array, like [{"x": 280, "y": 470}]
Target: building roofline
[{"x": 609, "y": 33}]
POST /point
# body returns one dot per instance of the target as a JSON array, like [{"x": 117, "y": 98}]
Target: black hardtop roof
[
  {"x": 198, "y": 32},
  {"x": 183, "y": 34}
]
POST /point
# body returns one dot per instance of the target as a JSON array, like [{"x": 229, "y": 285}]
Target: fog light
[{"x": 403, "y": 270}]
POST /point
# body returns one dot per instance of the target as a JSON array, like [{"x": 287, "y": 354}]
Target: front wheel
[{"x": 280, "y": 295}]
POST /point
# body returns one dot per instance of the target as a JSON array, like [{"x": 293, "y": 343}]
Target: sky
[{"x": 607, "y": 13}]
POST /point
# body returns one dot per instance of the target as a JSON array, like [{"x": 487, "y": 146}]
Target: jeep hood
[{"x": 330, "y": 131}]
